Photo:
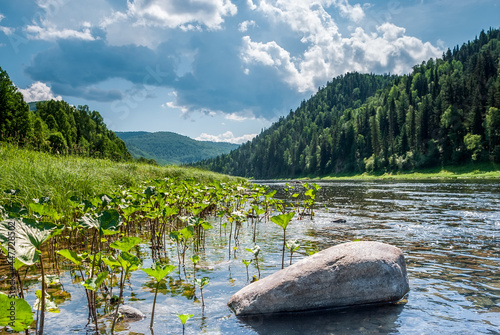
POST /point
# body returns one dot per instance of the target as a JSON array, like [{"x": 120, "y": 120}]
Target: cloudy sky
[{"x": 218, "y": 69}]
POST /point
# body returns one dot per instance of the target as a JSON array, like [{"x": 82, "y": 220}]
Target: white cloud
[
  {"x": 49, "y": 33},
  {"x": 38, "y": 91},
  {"x": 243, "y": 26},
  {"x": 228, "y": 136},
  {"x": 187, "y": 14},
  {"x": 5, "y": 30},
  {"x": 240, "y": 117},
  {"x": 328, "y": 53}
]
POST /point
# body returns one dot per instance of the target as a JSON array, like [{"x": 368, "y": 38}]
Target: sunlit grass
[{"x": 38, "y": 174}]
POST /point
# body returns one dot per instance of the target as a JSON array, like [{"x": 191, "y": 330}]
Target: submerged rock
[
  {"x": 130, "y": 313},
  {"x": 349, "y": 274}
]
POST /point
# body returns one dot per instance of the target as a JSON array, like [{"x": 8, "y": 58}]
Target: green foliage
[
  {"x": 171, "y": 148},
  {"x": 16, "y": 313},
  {"x": 159, "y": 271},
  {"x": 370, "y": 123},
  {"x": 55, "y": 126}
]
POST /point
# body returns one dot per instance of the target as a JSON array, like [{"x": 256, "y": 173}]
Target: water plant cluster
[{"x": 100, "y": 239}]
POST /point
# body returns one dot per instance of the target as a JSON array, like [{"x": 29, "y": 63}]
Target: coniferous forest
[
  {"x": 445, "y": 112},
  {"x": 55, "y": 126}
]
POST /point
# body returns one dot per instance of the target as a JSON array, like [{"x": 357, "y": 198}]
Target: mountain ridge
[{"x": 167, "y": 147}]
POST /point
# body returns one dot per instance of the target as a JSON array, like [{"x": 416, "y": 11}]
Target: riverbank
[
  {"x": 470, "y": 171},
  {"x": 38, "y": 174}
]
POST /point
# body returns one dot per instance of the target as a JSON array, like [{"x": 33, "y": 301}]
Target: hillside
[
  {"x": 172, "y": 148},
  {"x": 445, "y": 112},
  {"x": 55, "y": 126}
]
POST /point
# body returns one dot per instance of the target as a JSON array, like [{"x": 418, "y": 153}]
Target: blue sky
[{"x": 217, "y": 69}]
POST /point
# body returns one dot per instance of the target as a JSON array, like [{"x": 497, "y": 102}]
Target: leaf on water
[
  {"x": 16, "y": 313},
  {"x": 71, "y": 255}
]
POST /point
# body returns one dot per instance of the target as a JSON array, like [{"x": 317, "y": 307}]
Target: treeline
[
  {"x": 55, "y": 126},
  {"x": 446, "y": 112}
]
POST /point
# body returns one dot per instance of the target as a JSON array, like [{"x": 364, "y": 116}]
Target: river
[{"x": 449, "y": 232}]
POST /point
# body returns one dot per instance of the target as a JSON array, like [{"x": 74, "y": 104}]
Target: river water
[{"x": 449, "y": 232}]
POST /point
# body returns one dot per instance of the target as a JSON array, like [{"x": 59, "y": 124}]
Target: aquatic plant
[
  {"x": 292, "y": 245},
  {"x": 255, "y": 250},
  {"x": 202, "y": 282},
  {"x": 247, "y": 262},
  {"x": 282, "y": 220},
  {"x": 184, "y": 318},
  {"x": 158, "y": 271},
  {"x": 128, "y": 263}
]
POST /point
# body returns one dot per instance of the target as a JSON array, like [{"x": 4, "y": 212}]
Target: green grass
[
  {"x": 38, "y": 174},
  {"x": 469, "y": 171}
]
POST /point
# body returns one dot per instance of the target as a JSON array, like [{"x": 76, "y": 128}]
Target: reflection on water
[{"x": 449, "y": 232}]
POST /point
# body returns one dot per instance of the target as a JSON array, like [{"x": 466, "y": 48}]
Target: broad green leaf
[
  {"x": 71, "y": 255},
  {"x": 16, "y": 313},
  {"x": 111, "y": 262},
  {"x": 126, "y": 243},
  {"x": 95, "y": 282},
  {"x": 128, "y": 261},
  {"x": 187, "y": 232},
  {"x": 106, "y": 222},
  {"x": 29, "y": 236},
  {"x": 169, "y": 211},
  {"x": 159, "y": 271},
  {"x": 184, "y": 317},
  {"x": 282, "y": 220}
]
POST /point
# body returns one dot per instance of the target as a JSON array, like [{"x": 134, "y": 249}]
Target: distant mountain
[{"x": 172, "y": 148}]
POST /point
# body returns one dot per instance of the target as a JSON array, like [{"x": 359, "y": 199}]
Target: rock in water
[
  {"x": 130, "y": 313},
  {"x": 349, "y": 274}
]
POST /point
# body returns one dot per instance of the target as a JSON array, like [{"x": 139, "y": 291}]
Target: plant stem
[
  {"x": 118, "y": 304},
  {"x": 42, "y": 312},
  {"x": 283, "y": 253},
  {"x": 154, "y": 303}
]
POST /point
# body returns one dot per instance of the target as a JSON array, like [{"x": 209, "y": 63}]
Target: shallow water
[{"x": 448, "y": 231}]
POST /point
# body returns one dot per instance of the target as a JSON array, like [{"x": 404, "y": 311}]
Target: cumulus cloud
[
  {"x": 38, "y": 91},
  {"x": 49, "y": 33},
  {"x": 186, "y": 14},
  {"x": 228, "y": 136},
  {"x": 328, "y": 53},
  {"x": 243, "y": 26}
]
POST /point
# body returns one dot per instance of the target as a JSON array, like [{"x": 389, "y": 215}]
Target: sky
[{"x": 218, "y": 70}]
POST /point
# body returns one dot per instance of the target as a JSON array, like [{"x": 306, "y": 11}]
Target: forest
[
  {"x": 445, "y": 112},
  {"x": 55, "y": 126}
]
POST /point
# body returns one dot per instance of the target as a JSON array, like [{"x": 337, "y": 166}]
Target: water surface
[{"x": 448, "y": 231}]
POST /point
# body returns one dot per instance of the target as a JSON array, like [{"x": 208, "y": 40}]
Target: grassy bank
[
  {"x": 38, "y": 174},
  {"x": 470, "y": 171}
]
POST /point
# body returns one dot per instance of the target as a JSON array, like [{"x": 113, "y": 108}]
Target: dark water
[{"x": 448, "y": 231}]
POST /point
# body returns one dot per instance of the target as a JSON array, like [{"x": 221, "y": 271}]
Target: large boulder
[{"x": 349, "y": 274}]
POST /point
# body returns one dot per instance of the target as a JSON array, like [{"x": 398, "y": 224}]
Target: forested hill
[
  {"x": 445, "y": 112},
  {"x": 172, "y": 148},
  {"x": 55, "y": 126}
]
